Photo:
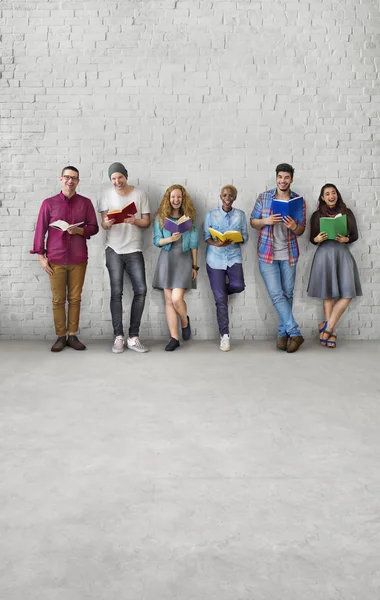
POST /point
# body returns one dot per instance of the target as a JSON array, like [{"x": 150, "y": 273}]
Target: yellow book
[{"x": 228, "y": 236}]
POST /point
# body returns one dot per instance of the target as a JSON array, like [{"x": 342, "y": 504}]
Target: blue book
[{"x": 289, "y": 208}]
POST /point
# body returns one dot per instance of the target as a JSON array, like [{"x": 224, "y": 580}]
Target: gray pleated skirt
[
  {"x": 173, "y": 269},
  {"x": 334, "y": 273}
]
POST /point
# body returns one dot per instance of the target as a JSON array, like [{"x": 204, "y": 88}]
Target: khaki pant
[{"x": 70, "y": 277}]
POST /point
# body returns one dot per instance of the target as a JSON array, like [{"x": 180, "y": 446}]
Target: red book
[{"x": 119, "y": 215}]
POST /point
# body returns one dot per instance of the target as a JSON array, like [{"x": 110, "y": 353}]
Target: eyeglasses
[{"x": 68, "y": 177}]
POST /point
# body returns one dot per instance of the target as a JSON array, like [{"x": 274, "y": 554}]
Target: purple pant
[{"x": 221, "y": 290}]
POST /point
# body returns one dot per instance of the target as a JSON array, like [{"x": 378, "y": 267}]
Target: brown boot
[
  {"x": 59, "y": 345},
  {"x": 294, "y": 343},
  {"x": 282, "y": 343},
  {"x": 73, "y": 342}
]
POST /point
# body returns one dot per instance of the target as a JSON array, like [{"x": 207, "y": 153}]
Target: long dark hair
[{"x": 340, "y": 206}]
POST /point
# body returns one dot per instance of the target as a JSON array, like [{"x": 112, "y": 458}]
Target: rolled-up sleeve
[
  {"x": 257, "y": 209},
  {"x": 194, "y": 237},
  {"x": 158, "y": 233},
  {"x": 303, "y": 215},
  {"x": 91, "y": 226},
  {"x": 243, "y": 226},
  {"x": 206, "y": 225},
  {"x": 41, "y": 229}
]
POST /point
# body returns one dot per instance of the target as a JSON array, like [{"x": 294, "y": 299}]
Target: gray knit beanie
[{"x": 117, "y": 168}]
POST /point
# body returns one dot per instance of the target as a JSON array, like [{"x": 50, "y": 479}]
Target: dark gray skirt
[
  {"x": 173, "y": 269},
  {"x": 334, "y": 273}
]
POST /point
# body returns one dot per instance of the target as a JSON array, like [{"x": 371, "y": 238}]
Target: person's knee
[
  {"x": 177, "y": 302},
  {"x": 116, "y": 293},
  {"x": 140, "y": 291},
  {"x": 58, "y": 302},
  {"x": 74, "y": 300},
  {"x": 277, "y": 296},
  {"x": 221, "y": 302},
  {"x": 237, "y": 288},
  {"x": 288, "y": 295},
  {"x": 169, "y": 302}
]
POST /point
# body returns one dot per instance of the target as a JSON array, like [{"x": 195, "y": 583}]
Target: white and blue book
[{"x": 289, "y": 208}]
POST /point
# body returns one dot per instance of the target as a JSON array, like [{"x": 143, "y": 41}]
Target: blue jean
[
  {"x": 279, "y": 278},
  {"x": 133, "y": 264},
  {"x": 221, "y": 290}
]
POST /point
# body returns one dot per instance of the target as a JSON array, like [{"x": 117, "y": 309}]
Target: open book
[
  {"x": 63, "y": 225},
  {"x": 183, "y": 224},
  {"x": 289, "y": 208},
  {"x": 227, "y": 236},
  {"x": 119, "y": 215},
  {"x": 333, "y": 226}
]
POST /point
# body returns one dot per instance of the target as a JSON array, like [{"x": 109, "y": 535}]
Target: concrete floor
[{"x": 193, "y": 475}]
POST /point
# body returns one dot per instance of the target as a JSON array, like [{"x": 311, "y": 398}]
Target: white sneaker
[
  {"x": 118, "y": 345},
  {"x": 225, "y": 345},
  {"x": 136, "y": 345}
]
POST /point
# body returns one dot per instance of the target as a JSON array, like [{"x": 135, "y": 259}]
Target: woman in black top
[{"x": 334, "y": 274}]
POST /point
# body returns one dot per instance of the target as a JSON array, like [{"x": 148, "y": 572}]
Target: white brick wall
[{"x": 197, "y": 92}]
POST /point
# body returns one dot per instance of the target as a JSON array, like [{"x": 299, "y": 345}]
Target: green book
[{"x": 333, "y": 226}]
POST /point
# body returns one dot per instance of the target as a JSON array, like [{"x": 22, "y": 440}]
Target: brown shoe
[
  {"x": 73, "y": 342},
  {"x": 294, "y": 343},
  {"x": 59, "y": 344},
  {"x": 282, "y": 343}
]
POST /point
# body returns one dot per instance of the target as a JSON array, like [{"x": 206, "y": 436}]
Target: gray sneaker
[
  {"x": 136, "y": 345},
  {"x": 118, "y": 345}
]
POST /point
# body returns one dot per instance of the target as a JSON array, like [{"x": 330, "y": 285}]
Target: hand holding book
[
  {"x": 321, "y": 237},
  {"x": 342, "y": 239},
  {"x": 290, "y": 223},
  {"x": 273, "y": 219},
  {"x": 221, "y": 244},
  {"x": 176, "y": 236}
]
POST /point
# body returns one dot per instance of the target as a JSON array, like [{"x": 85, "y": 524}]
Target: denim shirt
[
  {"x": 234, "y": 220},
  {"x": 189, "y": 238}
]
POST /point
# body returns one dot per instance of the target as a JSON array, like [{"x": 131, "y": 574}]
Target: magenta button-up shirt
[{"x": 63, "y": 248}]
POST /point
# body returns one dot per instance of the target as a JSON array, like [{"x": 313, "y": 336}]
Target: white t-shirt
[{"x": 124, "y": 238}]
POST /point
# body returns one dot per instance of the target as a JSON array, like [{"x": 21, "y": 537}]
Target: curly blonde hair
[{"x": 165, "y": 208}]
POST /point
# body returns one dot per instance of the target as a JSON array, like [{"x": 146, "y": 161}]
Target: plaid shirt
[{"x": 262, "y": 210}]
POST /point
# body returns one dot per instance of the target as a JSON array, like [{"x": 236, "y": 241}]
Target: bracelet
[{"x": 195, "y": 267}]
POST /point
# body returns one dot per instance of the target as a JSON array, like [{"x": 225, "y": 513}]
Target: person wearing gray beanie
[{"x": 124, "y": 252}]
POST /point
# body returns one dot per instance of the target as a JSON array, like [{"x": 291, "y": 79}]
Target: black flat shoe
[
  {"x": 186, "y": 331},
  {"x": 172, "y": 345}
]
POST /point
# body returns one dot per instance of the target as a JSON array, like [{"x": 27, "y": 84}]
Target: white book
[{"x": 63, "y": 225}]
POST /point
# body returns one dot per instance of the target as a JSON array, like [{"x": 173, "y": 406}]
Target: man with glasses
[{"x": 64, "y": 258}]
